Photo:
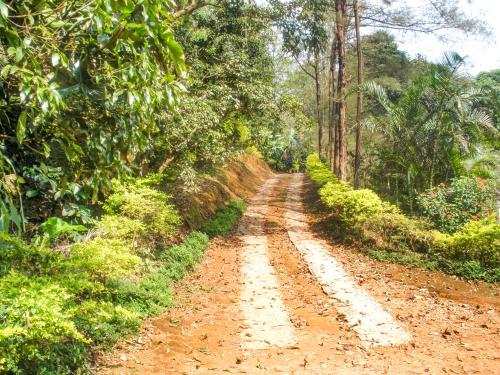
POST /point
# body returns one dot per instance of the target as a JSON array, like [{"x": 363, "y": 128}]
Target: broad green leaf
[
  {"x": 58, "y": 24},
  {"x": 21, "y": 127},
  {"x": 19, "y": 54},
  {"x": 46, "y": 150},
  {"x": 32, "y": 193},
  {"x": 4, "y": 11}
]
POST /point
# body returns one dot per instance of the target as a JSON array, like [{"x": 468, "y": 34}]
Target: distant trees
[
  {"x": 303, "y": 27},
  {"x": 343, "y": 21},
  {"x": 433, "y": 126}
]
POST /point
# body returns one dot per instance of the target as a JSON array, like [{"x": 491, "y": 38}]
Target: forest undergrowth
[
  {"x": 387, "y": 234},
  {"x": 62, "y": 303}
]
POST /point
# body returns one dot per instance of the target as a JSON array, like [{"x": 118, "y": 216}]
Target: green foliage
[
  {"x": 48, "y": 190},
  {"x": 12, "y": 217},
  {"x": 186, "y": 254},
  {"x": 104, "y": 322},
  {"x": 479, "y": 240},
  {"x": 138, "y": 201},
  {"x": 464, "y": 199},
  {"x": 52, "y": 314},
  {"x": 224, "y": 219},
  {"x": 426, "y": 134},
  {"x": 473, "y": 252},
  {"x": 112, "y": 103},
  {"x": 318, "y": 172},
  {"x": 88, "y": 108},
  {"x": 489, "y": 84},
  {"x": 121, "y": 227},
  {"x": 105, "y": 259},
  {"x": 351, "y": 205},
  {"x": 395, "y": 232},
  {"x": 469, "y": 269},
  {"x": 408, "y": 258},
  {"x": 152, "y": 293},
  {"x": 486, "y": 166},
  {"x": 56, "y": 227},
  {"x": 15, "y": 254},
  {"x": 303, "y": 26},
  {"x": 286, "y": 152},
  {"x": 233, "y": 101},
  {"x": 37, "y": 332}
]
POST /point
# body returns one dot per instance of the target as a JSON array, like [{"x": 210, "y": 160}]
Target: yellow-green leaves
[{"x": 21, "y": 127}]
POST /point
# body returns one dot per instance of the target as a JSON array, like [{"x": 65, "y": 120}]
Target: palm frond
[
  {"x": 481, "y": 118},
  {"x": 378, "y": 92}
]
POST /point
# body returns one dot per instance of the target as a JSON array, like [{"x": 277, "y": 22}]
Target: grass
[
  {"x": 469, "y": 270},
  {"x": 409, "y": 259},
  {"x": 152, "y": 293},
  {"x": 224, "y": 219}
]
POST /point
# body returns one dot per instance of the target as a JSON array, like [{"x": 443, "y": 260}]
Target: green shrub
[
  {"x": 406, "y": 258},
  {"x": 80, "y": 282},
  {"x": 147, "y": 296},
  {"x": 187, "y": 253},
  {"x": 152, "y": 293},
  {"x": 37, "y": 333},
  {"x": 464, "y": 199},
  {"x": 104, "y": 259},
  {"x": 352, "y": 205},
  {"x": 105, "y": 323},
  {"x": 138, "y": 201},
  {"x": 395, "y": 232},
  {"x": 473, "y": 252},
  {"x": 121, "y": 227},
  {"x": 17, "y": 255},
  {"x": 318, "y": 172},
  {"x": 56, "y": 227},
  {"x": 81, "y": 301},
  {"x": 469, "y": 269},
  {"x": 224, "y": 219},
  {"x": 58, "y": 307},
  {"x": 478, "y": 240}
]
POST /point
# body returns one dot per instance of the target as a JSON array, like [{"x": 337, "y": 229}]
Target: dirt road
[{"x": 277, "y": 297}]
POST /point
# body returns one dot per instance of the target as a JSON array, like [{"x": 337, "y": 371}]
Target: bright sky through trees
[{"x": 482, "y": 52}]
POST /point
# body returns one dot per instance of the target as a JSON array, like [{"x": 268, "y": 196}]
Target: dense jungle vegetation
[{"x": 109, "y": 109}]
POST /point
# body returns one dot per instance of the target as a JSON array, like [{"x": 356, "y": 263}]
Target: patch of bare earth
[{"x": 454, "y": 331}]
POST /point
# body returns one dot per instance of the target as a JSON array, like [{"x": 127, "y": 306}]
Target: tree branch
[
  {"x": 190, "y": 8},
  {"x": 303, "y": 68}
]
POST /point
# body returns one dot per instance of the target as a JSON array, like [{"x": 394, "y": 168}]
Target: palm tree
[{"x": 432, "y": 127}]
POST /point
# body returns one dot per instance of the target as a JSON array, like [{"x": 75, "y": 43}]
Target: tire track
[
  {"x": 267, "y": 323},
  {"x": 373, "y": 324}
]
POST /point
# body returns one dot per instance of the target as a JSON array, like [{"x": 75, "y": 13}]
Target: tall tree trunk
[
  {"x": 332, "y": 106},
  {"x": 340, "y": 11},
  {"x": 319, "y": 113},
  {"x": 359, "y": 99}
]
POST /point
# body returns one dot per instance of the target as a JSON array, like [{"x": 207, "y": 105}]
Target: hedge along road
[{"x": 295, "y": 316}]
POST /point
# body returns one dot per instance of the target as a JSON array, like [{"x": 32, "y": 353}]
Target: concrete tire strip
[
  {"x": 372, "y": 323},
  {"x": 267, "y": 323}
]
